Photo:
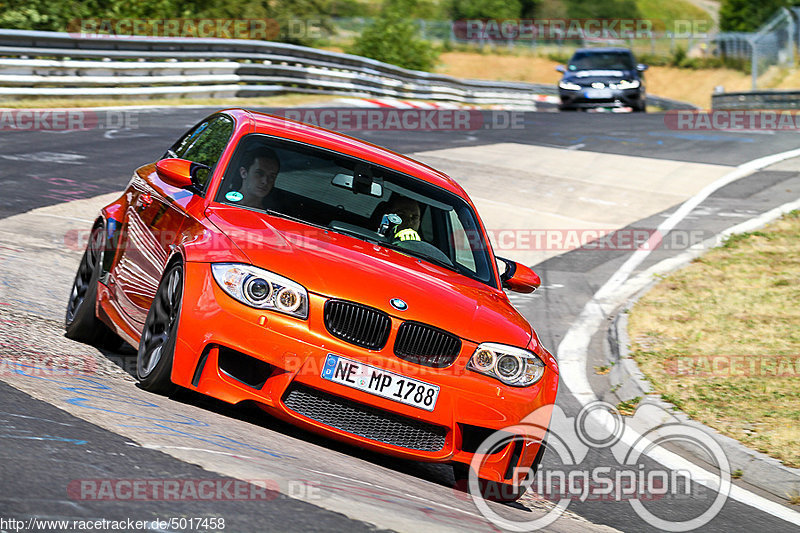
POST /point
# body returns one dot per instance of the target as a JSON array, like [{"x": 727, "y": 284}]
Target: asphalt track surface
[{"x": 47, "y": 168}]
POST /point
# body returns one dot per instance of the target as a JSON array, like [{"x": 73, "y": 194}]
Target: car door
[{"x": 156, "y": 217}]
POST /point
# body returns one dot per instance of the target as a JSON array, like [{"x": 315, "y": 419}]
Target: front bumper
[
  {"x": 292, "y": 352},
  {"x": 585, "y": 98}
]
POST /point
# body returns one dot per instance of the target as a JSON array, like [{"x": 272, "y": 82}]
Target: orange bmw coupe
[{"x": 340, "y": 286}]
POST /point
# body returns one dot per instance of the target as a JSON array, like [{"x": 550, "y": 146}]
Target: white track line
[{"x": 573, "y": 350}]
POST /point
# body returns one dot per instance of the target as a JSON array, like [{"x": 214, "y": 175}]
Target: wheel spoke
[
  {"x": 153, "y": 341},
  {"x": 153, "y": 360},
  {"x": 163, "y": 308},
  {"x": 163, "y": 315}
]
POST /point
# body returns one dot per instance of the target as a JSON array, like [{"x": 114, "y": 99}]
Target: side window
[
  {"x": 426, "y": 224},
  {"x": 461, "y": 242},
  {"x": 206, "y": 145},
  {"x": 179, "y": 148}
]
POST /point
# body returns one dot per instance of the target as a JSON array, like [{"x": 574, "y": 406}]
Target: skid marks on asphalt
[
  {"x": 96, "y": 390},
  {"x": 60, "y": 158},
  {"x": 10, "y": 430},
  {"x": 78, "y": 379}
]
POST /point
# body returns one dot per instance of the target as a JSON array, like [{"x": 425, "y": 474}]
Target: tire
[
  {"x": 80, "y": 322},
  {"x": 157, "y": 345}
]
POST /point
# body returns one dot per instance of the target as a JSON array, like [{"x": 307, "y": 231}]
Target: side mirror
[
  {"x": 179, "y": 173},
  {"x": 561, "y": 69},
  {"x": 641, "y": 67},
  {"x": 518, "y": 277}
]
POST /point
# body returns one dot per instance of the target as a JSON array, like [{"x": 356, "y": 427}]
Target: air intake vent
[
  {"x": 426, "y": 345},
  {"x": 365, "y": 421},
  {"x": 357, "y": 324}
]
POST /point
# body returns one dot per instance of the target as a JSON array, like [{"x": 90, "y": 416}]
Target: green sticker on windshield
[{"x": 234, "y": 196}]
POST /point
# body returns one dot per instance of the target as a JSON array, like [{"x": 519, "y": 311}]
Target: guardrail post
[{"x": 198, "y": 66}]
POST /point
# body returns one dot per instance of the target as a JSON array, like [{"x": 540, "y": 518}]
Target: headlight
[
  {"x": 569, "y": 86},
  {"x": 625, "y": 84},
  {"x": 261, "y": 288},
  {"x": 511, "y": 365}
]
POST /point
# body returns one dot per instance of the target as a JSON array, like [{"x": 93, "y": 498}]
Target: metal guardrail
[
  {"x": 667, "y": 104},
  {"x": 37, "y": 63},
  {"x": 60, "y": 64},
  {"x": 774, "y": 99}
]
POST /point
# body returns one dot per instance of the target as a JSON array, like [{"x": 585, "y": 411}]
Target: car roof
[
  {"x": 321, "y": 137},
  {"x": 603, "y": 50}
]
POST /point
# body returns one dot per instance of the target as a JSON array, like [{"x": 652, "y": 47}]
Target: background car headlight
[
  {"x": 261, "y": 288},
  {"x": 511, "y": 365},
  {"x": 625, "y": 84},
  {"x": 569, "y": 86}
]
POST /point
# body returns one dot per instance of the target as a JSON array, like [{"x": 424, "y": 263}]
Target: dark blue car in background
[{"x": 602, "y": 77}]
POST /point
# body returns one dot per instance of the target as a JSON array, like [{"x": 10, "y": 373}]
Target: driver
[
  {"x": 408, "y": 210},
  {"x": 259, "y": 169}
]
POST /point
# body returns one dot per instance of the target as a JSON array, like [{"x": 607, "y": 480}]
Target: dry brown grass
[
  {"x": 741, "y": 300},
  {"x": 499, "y": 67},
  {"x": 695, "y": 86}
]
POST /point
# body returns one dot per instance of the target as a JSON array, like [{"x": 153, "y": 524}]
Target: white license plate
[
  {"x": 599, "y": 93},
  {"x": 380, "y": 382}
]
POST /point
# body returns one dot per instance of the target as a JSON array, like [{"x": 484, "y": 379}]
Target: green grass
[
  {"x": 628, "y": 407},
  {"x": 669, "y": 11}
]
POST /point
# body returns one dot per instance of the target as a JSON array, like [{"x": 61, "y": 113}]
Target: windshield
[
  {"x": 620, "y": 60},
  {"x": 357, "y": 198}
]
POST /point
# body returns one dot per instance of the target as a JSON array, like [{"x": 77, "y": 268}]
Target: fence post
[{"x": 753, "y": 63}]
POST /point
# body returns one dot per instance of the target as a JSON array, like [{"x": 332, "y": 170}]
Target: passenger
[{"x": 409, "y": 212}]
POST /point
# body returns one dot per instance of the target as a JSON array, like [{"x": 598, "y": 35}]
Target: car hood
[
  {"x": 340, "y": 266},
  {"x": 587, "y": 77}
]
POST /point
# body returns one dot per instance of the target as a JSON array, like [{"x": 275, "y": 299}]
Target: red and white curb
[
  {"x": 546, "y": 98},
  {"x": 395, "y": 103}
]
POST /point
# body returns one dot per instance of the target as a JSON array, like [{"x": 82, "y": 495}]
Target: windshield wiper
[
  {"x": 426, "y": 257},
  {"x": 357, "y": 235}
]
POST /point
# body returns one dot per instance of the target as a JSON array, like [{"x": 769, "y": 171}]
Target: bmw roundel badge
[{"x": 398, "y": 304}]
